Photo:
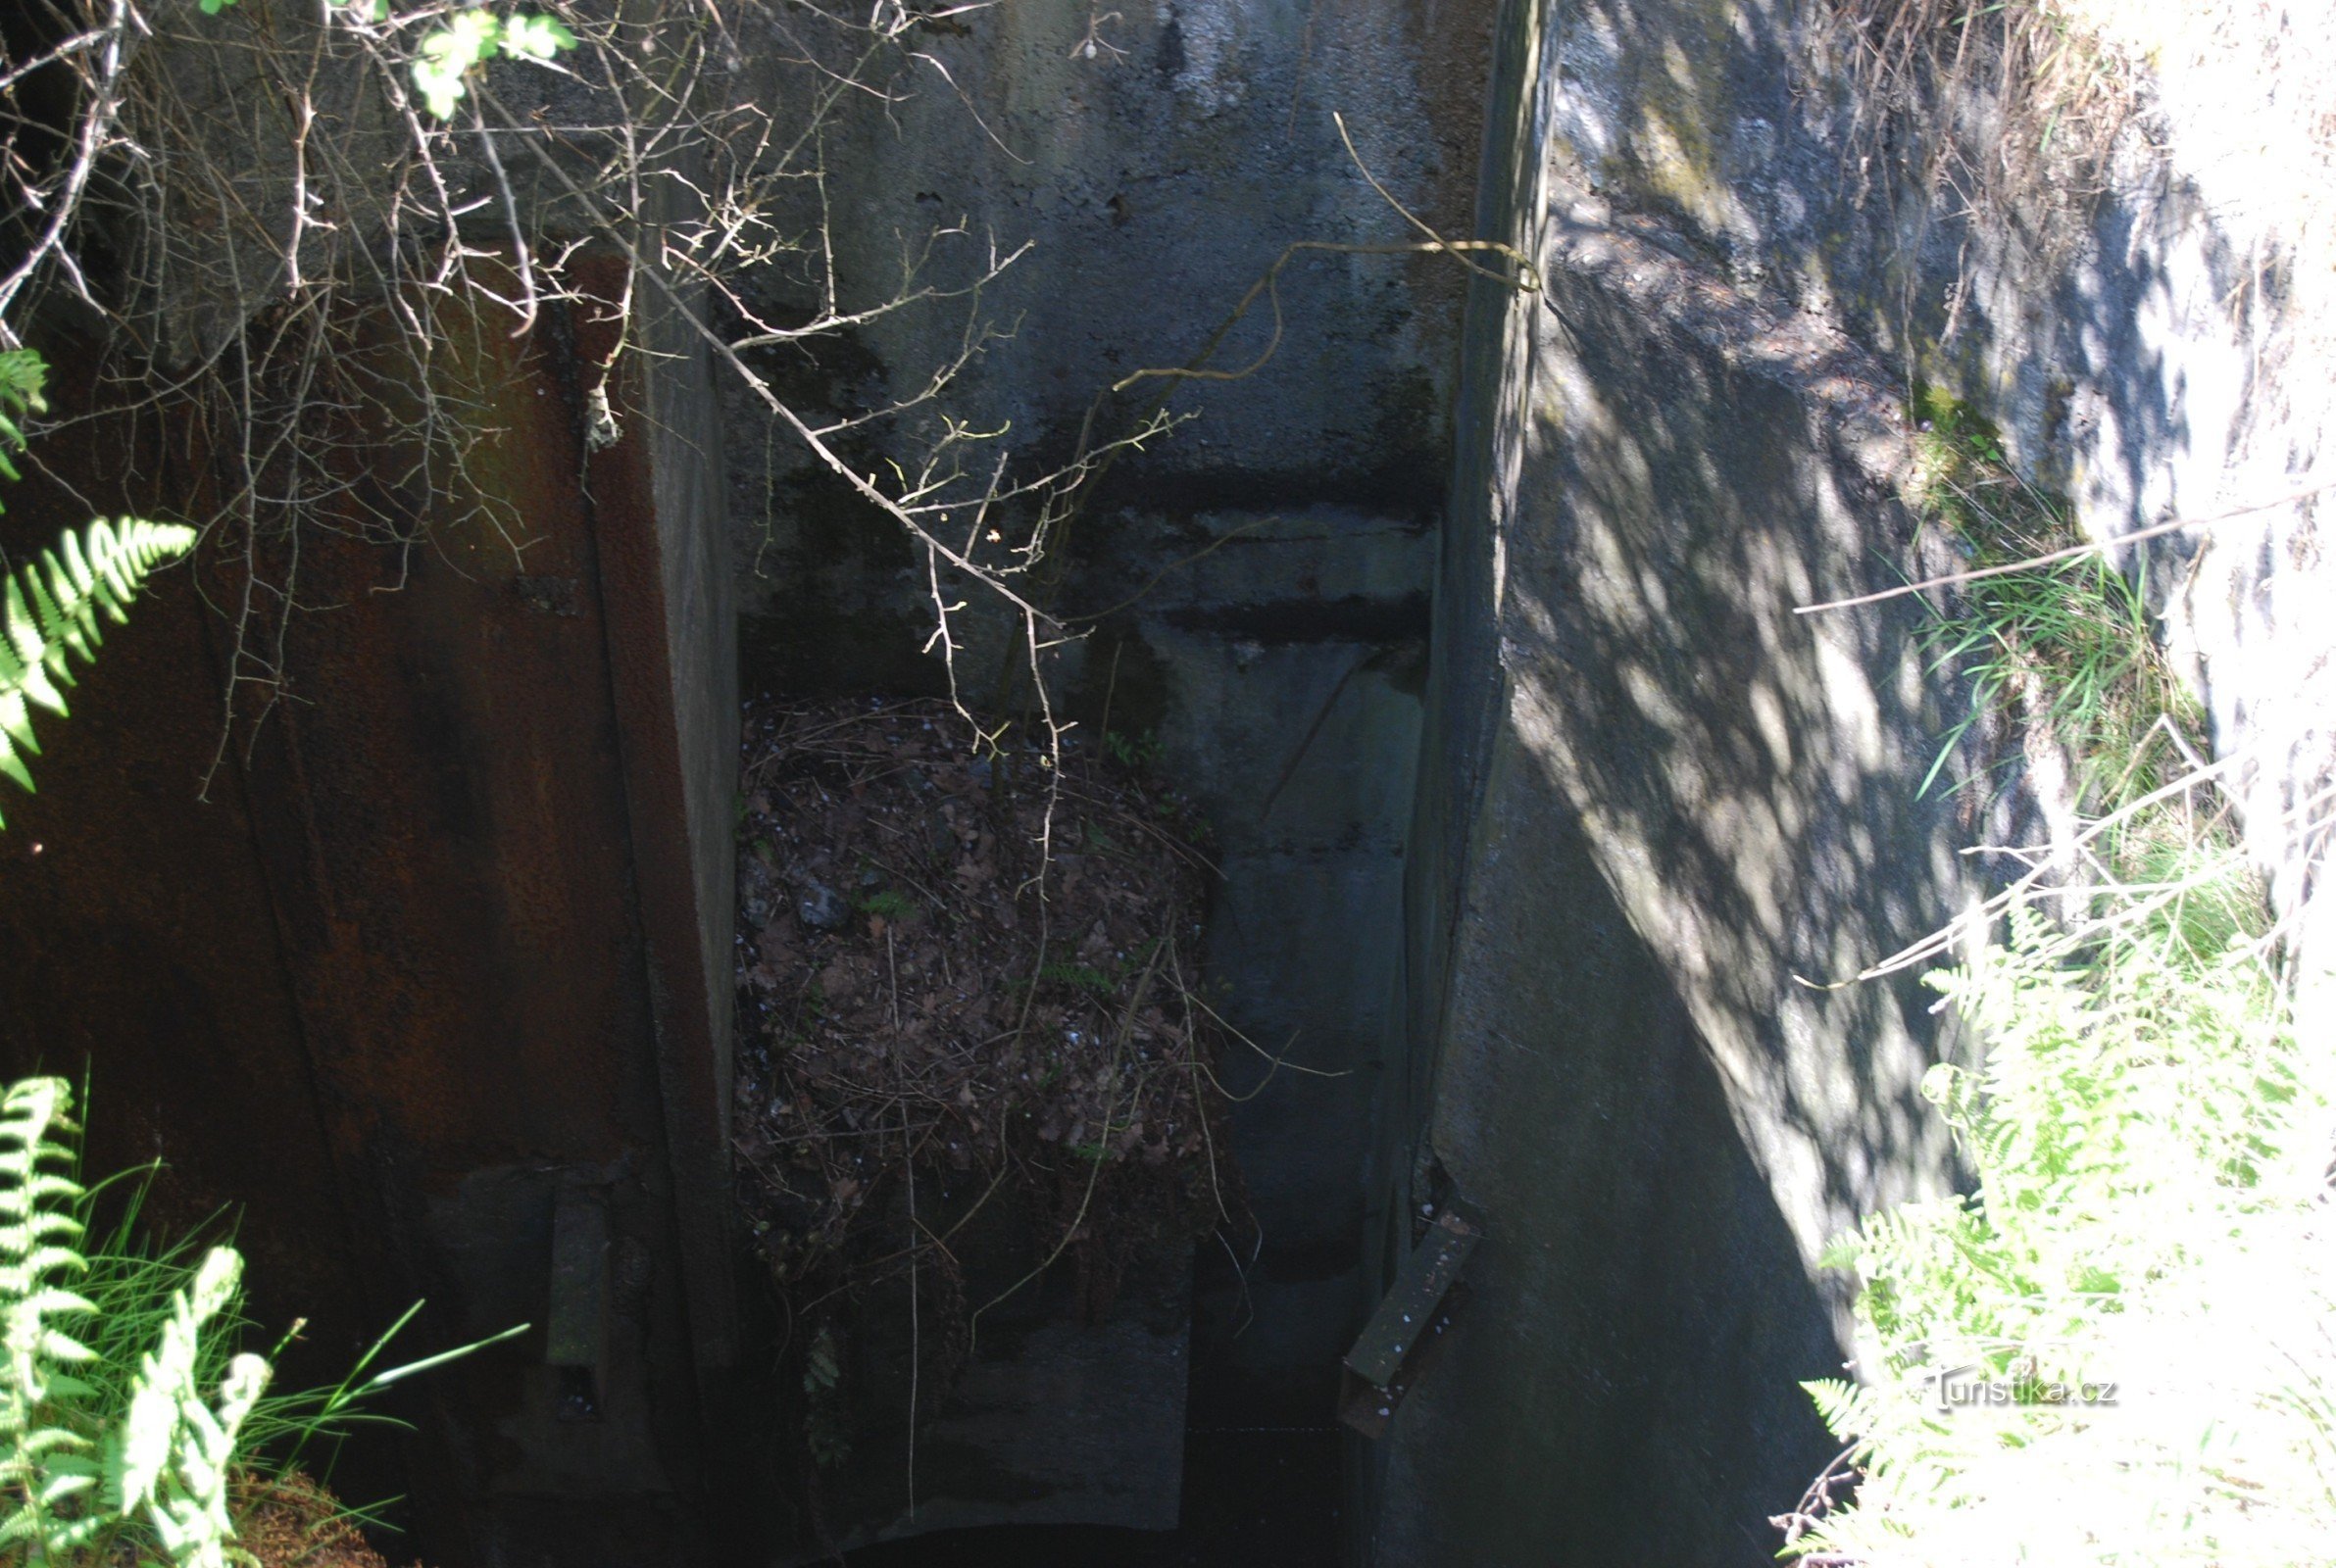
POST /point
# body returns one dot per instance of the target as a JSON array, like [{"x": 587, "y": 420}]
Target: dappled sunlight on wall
[{"x": 1746, "y": 777}]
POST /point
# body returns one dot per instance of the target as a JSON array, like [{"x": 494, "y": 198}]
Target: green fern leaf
[
  {"x": 23, "y": 375},
  {"x": 176, "y": 1448},
  {"x": 38, "y": 1236},
  {"x": 51, "y": 608}
]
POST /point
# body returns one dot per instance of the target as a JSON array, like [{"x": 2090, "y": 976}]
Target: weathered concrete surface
[
  {"x": 1055, "y": 1418},
  {"x": 1154, "y": 188},
  {"x": 2155, "y": 349},
  {"x": 1289, "y": 670},
  {"x": 1652, "y": 803},
  {"x": 1008, "y": 1416},
  {"x": 1651, "y": 798}
]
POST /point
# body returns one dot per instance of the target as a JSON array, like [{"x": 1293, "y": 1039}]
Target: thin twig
[{"x": 2070, "y": 554}]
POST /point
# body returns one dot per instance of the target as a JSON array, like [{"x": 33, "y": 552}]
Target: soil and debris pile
[
  {"x": 289, "y": 1521},
  {"x": 966, "y": 970}
]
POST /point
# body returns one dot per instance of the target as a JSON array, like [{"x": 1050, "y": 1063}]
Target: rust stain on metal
[
  {"x": 444, "y": 819},
  {"x": 429, "y": 954},
  {"x": 138, "y": 939}
]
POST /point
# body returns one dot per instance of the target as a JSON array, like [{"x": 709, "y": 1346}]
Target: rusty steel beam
[{"x": 672, "y": 629}]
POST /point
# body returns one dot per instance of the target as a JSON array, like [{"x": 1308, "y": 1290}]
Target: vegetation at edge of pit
[
  {"x": 2136, "y": 1299},
  {"x": 132, "y": 1427},
  {"x": 2066, "y": 647},
  {"x": 2119, "y": 1345}
]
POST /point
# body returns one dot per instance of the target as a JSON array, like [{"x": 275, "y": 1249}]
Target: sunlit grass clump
[{"x": 2064, "y": 646}]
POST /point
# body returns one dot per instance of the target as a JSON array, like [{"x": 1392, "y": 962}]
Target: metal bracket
[{"x": 1394, "y": 1346}]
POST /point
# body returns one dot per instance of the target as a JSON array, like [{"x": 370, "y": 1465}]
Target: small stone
[{"x": 822, "y": 908}]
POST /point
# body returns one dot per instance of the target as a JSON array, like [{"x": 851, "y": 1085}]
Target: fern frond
[
  {"x": 23, "y": 375},
  {"x": 40, "y": 1233},
  {"x": 192, "y": 1522},
  {"x": 51, "y": 608},
  {"x": 176, "y": 1448},
  {"x": 2148, "y": 1134},
  {"x": 167, "y": 1378},
  {"x": 130, "y": 1460},
  {"x": 1844, "y": 1406}
]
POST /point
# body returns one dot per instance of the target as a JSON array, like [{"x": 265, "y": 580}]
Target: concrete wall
[
  {"x": 1280, "y": 670},
  {"x": 1654, "y": 803},
  {"x": 1154, "y": 188}
]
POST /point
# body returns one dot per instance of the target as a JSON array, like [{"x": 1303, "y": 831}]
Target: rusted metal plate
[
  {"x": 1394, "y": 1330},
  {"x": 442, "y": 820},
  {"x": 426, "y": 974},
  {"x": 137, "y": 940}
]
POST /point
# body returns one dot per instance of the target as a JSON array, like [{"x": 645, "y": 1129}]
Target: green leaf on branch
[
  {"x": 472, "y": 38},
  {"x": 537, "y": 37}
]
